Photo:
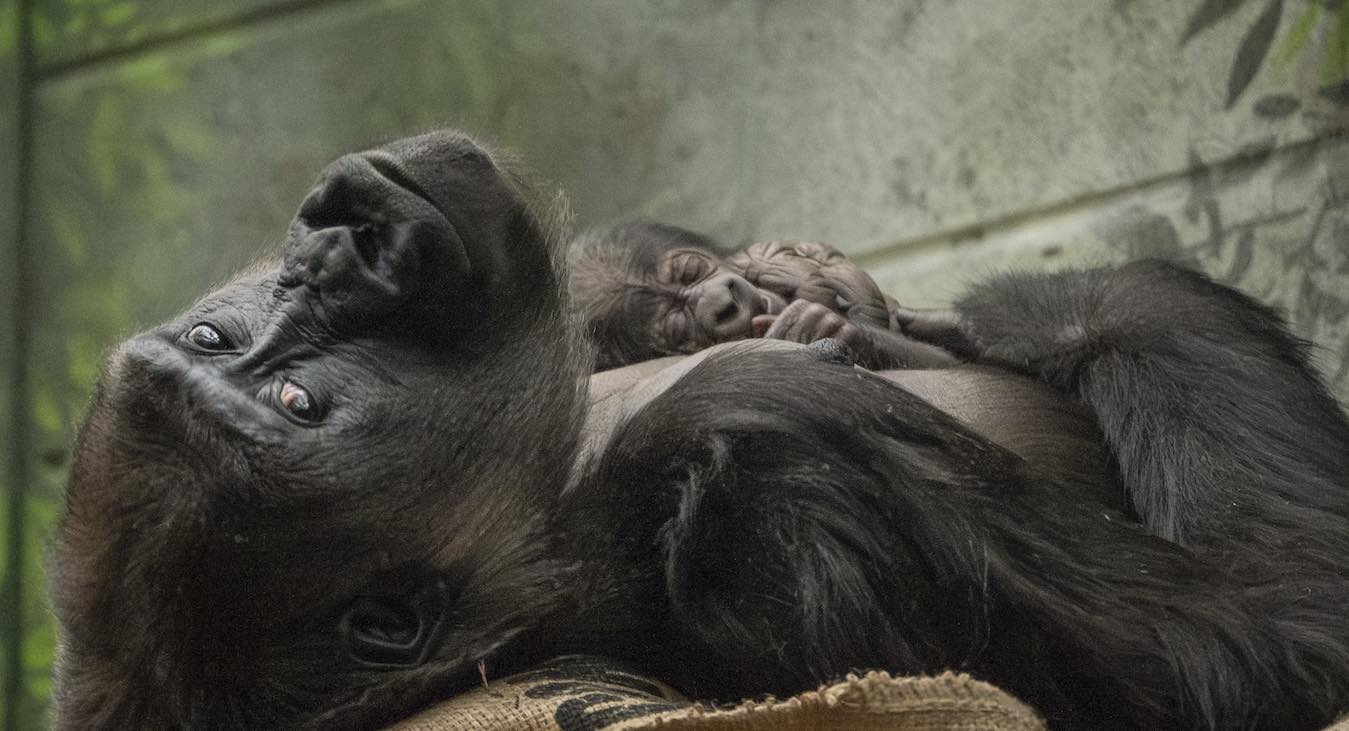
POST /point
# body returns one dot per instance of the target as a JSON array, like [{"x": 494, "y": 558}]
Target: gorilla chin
[{"x": 327, "y": 491}]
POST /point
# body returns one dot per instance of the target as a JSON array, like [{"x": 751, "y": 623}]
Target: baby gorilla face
[
  {"x": 313, "y": 484},
  {"x": 701, "y": 300},
  {"x": 651, "y": 289}
]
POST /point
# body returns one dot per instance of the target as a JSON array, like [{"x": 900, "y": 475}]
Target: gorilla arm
[{"x": 1199, "y": 390}]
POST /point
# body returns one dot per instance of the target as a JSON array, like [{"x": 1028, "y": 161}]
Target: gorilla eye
[
  {"x": 690, "y": 269},
  {"x": 207, "y": 337},
  {"x": 298, "y": 402}
]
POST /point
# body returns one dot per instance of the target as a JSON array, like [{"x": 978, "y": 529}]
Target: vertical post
[{"x": 16, "y": 688}]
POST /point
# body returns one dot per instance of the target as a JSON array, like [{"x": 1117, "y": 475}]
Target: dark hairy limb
[{"x": 1222, "y": 429}]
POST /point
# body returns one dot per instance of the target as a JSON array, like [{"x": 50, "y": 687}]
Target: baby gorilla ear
[{"x": 397, "y": 631}]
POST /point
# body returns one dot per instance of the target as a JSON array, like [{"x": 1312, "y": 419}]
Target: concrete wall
[{"x": 172, "y": 139}]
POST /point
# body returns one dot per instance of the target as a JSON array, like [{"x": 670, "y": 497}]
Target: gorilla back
[{"x": 329, "y": 489}]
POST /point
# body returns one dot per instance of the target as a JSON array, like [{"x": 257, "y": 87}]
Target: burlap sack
[{"x": 588, "y": 694}]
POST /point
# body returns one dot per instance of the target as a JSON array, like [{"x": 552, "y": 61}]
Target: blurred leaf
[
  {"x": 68, "y": 234},
  {"x": 107, "y": 130},
  {"x": 44, "y": 35},
  {"x": 85, "y": 355},
  {"x": 1337, "y": 93},
  {"x": 1207, "y": 15},
  {"x": 1337, "y": 63},
  {"x": 1298, "y": 162},
  {"x": 76, "y": 24},
  {"x": 1242, "y": 254},
  {"x": 47, "y": 412},
  {"x": 1277, "y": 106},
  {"x": 1252, "y": 156},
  {"x": 154, "y": 73},
  {"x": 1296, "y": 40},
  {"x": 9, "y": 21},
  {"x": 115, "y": 15},
  {"x": 1254, "y": 47}
]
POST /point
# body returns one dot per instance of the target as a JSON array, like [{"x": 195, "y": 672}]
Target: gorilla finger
[
  {"x": 785, "y": 320},
  {"x": 762, "y": 324}
]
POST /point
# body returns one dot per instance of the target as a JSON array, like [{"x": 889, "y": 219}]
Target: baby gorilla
[{"x": 648, "y": 289}]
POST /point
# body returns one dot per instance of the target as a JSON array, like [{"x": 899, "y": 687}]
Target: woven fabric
[{"x": 591, "y": 694}]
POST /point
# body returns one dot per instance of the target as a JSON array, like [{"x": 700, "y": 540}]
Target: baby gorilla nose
[
  {"x": 728, "y": 313},
  {"x": 726, "y": 306}
]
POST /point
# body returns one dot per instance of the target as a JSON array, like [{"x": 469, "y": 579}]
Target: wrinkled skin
[
  {"x": 327, "y": 492},
  {"x": 816, "y": 272}
]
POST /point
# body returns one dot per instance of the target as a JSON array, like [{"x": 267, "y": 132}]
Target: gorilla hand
[
  {"x": 876, "y": 348},
  {"x": 945, "y": 329},
  {"x": 816, "y": 272}
]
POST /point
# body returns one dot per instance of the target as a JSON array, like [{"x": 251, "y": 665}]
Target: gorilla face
[{"x": 317, "y": 475}]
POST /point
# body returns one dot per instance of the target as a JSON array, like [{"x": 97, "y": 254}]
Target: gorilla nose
[{"x": 726, "y": 305}]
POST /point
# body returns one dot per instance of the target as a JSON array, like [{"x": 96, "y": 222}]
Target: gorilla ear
[{"x": 396, "y": 631}]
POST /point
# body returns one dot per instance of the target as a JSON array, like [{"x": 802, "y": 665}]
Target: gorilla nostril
[
  {"x": 367, "y": 239},
  {"x": 327, "y": 205},
  {"x": 727, "y": 313}
]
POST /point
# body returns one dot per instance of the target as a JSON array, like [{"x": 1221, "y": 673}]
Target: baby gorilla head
[
  {"x": 651, "y": 289},
  {"x": 276, "y": 509}
]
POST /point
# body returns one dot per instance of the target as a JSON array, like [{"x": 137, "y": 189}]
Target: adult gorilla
[{"x": 330, "y": 488}]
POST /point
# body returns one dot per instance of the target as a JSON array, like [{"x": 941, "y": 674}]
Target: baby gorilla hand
[
  {"x": 816, "y": 272},
  {"x": 805, "y": 322},
  {"x": 876, "y": 348}
]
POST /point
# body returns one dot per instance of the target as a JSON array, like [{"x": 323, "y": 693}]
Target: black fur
[
  {"x": 871, "y": 531},
  {"x": 772, "y": 520}
]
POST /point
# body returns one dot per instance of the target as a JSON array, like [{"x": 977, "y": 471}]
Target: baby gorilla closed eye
[
  {"x": 651, "y": 289},
  {"x": 758, "y": 520}
]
